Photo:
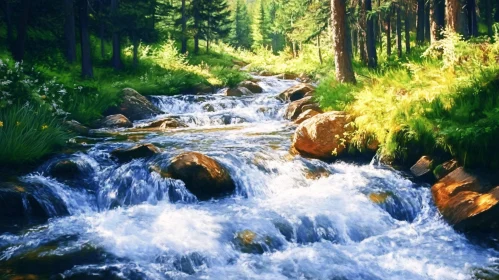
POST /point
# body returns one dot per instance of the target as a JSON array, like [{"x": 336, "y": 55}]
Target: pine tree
[
  {"x": 240, "y": 35},
  {"x": 260, "y": 26},
  {"x": 215, "y": 22}
]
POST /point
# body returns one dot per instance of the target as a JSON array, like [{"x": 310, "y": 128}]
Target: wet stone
[{"x": 135, "y": 152}]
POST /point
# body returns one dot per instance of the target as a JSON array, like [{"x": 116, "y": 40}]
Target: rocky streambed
[{"x": 205, "y": 187}]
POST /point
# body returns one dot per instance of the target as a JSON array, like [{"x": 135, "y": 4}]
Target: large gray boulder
[{"x": 134, "y": 106}]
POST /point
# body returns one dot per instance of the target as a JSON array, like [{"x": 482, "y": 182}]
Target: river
[{"x": 290, "y": 217}]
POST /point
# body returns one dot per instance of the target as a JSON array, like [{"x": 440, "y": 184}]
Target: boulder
[
  {"x": 239, "y": 62},
  {"x": 167, "y": 123},
  {"x": 28, "y": 203},
  {"x": 264, "y": 73},
  {"x": 295, "y": 108},
  {"x": 138, "y": 151},
  {"x": 287, "y": 76},
  {"x": 252, "y": 86},
  {"x": 306, "y": 115},
  {"x": 304, "y": 78},
  {"x": 76, "y": 127},
  {"x": 203, "y": 176},
  {"x": 134, "y": 106},
  {"x": 64, "y": 169},
  {"x": 322, "y": 136},
  {"x": 465, "y": 202},
  {"x": 296, "y": 92},
  {"x": 237, "y": 92},
  {"x": 421, "y": 170},
  {"x": 445, "y": 168},
  {"x": 115, "y": 121}
]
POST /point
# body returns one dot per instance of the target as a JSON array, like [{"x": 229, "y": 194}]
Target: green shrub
[{"x": 27, "y": 134}]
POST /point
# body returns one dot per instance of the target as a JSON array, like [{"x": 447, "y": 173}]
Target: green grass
[{"x": 28, "y": 134}]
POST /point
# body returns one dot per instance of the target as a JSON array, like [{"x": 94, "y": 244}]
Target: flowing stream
[{"x": 290, "y": 218}]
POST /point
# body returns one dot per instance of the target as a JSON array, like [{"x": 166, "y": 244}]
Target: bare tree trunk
[
  {"x": 371, "y": 42},
  {"x": 472, "y": 18},
  {"x": 86, "y": 58},
  {"x": 452, "y": 13},
  {"x": 319, "y": 48},
  {"x": 355, "y": 41},
  {"x": 135, "y": 41},
  {"x": 349, "y": 41},
  {"x": 399, "y": 33},
  {"x": 488, "y": 18},
  {"x": 407, "y": 30},
  {"x": 427, "y": 27},
  {"x": 184, "y": 28},
  {"x": 22, "y": 31},
  {"x": 8, "y": 21},
  {"x": 116, "y": 59},
  {"x": 388, "y": 33},
  {"x": 69, "y": 31},
  {"x": 362, "y": 32},
  {"x": 420, "y": 22},
  {"x": 343, "y": 62}
]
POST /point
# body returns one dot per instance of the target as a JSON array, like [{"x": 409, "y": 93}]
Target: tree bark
[
  {"x": 183, "y": 48},
  {"x": 116, "y": 59},
  {"x": 420, "y": 22},
  {"x": 69, "y": 31},
  {"x": 343, "y": 62},
  {"x": 22, "y": 31},
  {"x": 362, "y": 32},
  {"x": 399, "y": 32},
  {"x": 496, "y": 15},
  {"x": 427, "y": 27},
  {"x": 407, "y": 30},
  {"x": 355, "y": 41},
  {"x": 388, "y": 33},
  {"x": 472, "y": 18},
  {"x": 452, "y": 13},
  {"x": 488, "y": 17},
  {"x": 86, "y": 58},
  {"x": 135, "y": 42},
  {"x": 102, "y": 40},
  {"x": 319, "y": 48},
  {"x": 8, "y": 21},
  {"x": 371, "y": 41},
  {"x": 434, "y": 23}
]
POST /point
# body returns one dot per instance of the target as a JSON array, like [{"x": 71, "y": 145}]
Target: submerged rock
[
  {"x": 64, "y": 169},
  {"x": 252, "y": 86},
  {"x": 237, "y": 92},
  {"x": 138, "y": 151},
  {"x": 465, "y": 203},
  {"x": 134, "y": 106},
  {"x": 23, "y": 204},
  {"x": 322, "y": 136},
  {"x": 296, "y": 108},
  {"x": 115, "y": 121},
  {"x": 167, "y": 123},
  {"x": 296, "y": 92},
  {"x": 203, "y": 176}
]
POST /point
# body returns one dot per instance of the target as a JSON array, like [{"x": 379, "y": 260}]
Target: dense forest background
[{"x": 417, "y": 71}]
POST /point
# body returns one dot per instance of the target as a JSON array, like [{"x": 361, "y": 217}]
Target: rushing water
[{"x": 306, "y": 219}]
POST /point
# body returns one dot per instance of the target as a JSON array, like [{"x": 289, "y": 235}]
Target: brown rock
[
  {"x": 203, "y": 176},
  {"x": 295, "y": 108},
  {"x": 77, "y": 127},
  {"x": 167, "y": 123},
  {"x": 264, "y": 73},
  {"x": 422, "y": 168},
  {"x": 445, "y": 168},
  {"x": 306, "y": 115},
  {"x": 134, "y": 106},
  {"x": 237, "y": 92},
  {"x": 138, "y": 151},
  {"x": 322, "y": 136},
  {"x": 252, "y": 86},
  {"x": 296, "y": 92},
  {"x": 115, "y": 121},
  {"x": 465, "y": 203}
]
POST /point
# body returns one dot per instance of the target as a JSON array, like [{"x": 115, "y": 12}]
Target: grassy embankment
[{"x": 442, "y": 100}]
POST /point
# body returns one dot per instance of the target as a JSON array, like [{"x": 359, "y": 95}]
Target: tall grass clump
[{"x": 27, "y": 134}]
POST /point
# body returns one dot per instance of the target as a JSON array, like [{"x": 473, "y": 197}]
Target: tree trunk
[
  {"x": 488, "y": 18},
  {"x": 183, "y": 49},
  {"x": 86, "y": 59},
  {"x": 319, "y": 48},
  {"x": 427, "y": 27},
  {"x": 343, "y": 62},
  {"x": 69, "y": 31},
  {"x": 379, "y": 27},
  {"x": 349, "y": 41},
  {"x": 452, "y": 13},
  {"x": 116, "y": 59},
  {"x": 399, "y": 32},
  {"x": 8, "y": 21},
  {"x": 362, "y": 32},
  {"x": 371, "y": 41},
  {"x": 102, "y": 40},
  {"x": 472, "y": 18},
  {"x": 434, "y": 24},
  {"x": 22, "y": 31},
  {"x": 496, "y": 15},
  {"x": 420, "y": 22},
  {"x": 388, "y": 33},
  {"x": 135, "y": 42},
  {"x": 407, "y": 31},
  {"x": 355, "y": 41}
]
